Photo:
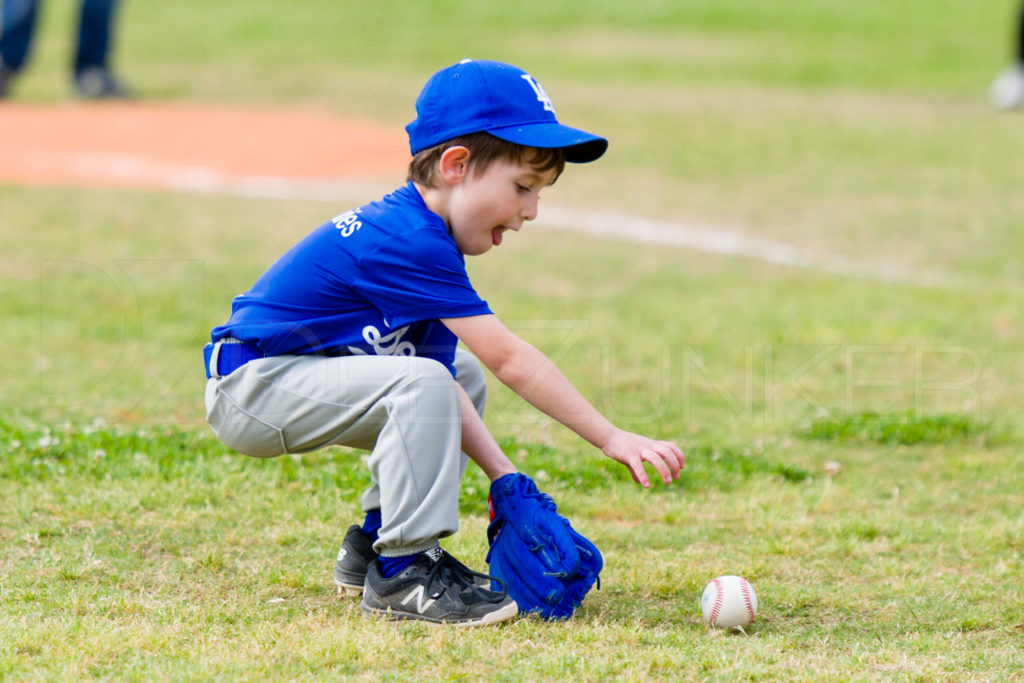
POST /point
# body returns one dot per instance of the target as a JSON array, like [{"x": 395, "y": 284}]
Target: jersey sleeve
[{"x": 418, "y": 275}]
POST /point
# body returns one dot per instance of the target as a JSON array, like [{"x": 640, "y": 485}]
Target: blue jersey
[{"x": 373, "y": 280}]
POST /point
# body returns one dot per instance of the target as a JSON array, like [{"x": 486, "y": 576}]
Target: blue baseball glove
[{"x": 544, "y": 564}]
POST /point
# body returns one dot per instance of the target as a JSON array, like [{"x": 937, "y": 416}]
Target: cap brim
[{"x": 580, "y": 146}]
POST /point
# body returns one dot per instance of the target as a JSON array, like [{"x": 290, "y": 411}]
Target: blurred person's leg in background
[
  {"x": 1007, "y": 91},
  {"x": 92, "y": 72},
  {"x": 17, "y": 23}
]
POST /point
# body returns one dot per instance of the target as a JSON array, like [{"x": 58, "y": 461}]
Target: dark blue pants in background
[{"x": 94, "y": 27}]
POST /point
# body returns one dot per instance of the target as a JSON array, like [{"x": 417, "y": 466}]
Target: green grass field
[{"x": 136, "y": 547}]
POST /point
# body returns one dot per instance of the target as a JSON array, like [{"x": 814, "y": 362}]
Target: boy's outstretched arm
[{"x": 530, "y": 373}]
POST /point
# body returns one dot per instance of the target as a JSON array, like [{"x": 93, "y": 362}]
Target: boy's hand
[{"x": 633, "y": 450}]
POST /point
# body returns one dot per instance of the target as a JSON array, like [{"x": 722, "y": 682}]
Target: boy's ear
[{"x": 454, "y": 165}]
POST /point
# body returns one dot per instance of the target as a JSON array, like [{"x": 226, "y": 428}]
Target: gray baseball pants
[{"x": 403, "y": 409}]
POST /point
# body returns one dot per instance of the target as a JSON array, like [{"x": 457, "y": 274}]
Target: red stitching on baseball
[
  {"x": 745, "y": 587},
  {"x": 718, "y": 602}
]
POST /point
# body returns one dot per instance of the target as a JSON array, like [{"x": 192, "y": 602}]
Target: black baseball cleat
[
  {"x": 438, "y": 589},
  {"x": 354, "y": 556}
]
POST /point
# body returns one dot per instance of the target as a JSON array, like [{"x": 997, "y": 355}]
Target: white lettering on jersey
[
  {"x": 421, "y": 604},
  {"x": 391, "y": 345},
  {"x": 542, "y": 96},
  {"x": 347, "y": 222}
]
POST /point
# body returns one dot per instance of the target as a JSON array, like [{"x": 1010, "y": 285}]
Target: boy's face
[{"x": 484, "y": 206}]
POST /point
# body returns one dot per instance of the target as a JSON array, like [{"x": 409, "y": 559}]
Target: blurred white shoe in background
[{"x": 1007, "y": 91}]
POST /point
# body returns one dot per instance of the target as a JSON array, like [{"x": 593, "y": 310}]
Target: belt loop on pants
[
  {"x": 213, "y": 360},
  {"x": 224, "y": 356}
]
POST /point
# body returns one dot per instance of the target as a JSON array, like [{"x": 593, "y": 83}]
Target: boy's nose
[{"x": 529, "y": 211}]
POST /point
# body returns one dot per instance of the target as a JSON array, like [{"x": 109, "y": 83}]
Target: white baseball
[{"x": 728, "y": 602}]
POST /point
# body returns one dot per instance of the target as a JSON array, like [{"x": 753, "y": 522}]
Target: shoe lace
[{"x": 448, "y": 571}]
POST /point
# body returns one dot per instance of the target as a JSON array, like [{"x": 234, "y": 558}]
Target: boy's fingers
[
  {"x": 674, "y": 457},
  {"x": 665, "y": 457},
  {"x": 670, "y": 460},
  {"x": 656, "y": 460},
  {"x": 636, "y": 468}
]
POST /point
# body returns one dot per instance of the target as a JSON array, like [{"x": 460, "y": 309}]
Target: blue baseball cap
[{"x": 477, "y": 96}]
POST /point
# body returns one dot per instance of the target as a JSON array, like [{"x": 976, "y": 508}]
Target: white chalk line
[
  {"x": 724, "y": 242},
  {"x": 141, "y": 171}
]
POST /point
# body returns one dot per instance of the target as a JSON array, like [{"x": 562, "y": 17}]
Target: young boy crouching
[{"x": 350, "y": 338}]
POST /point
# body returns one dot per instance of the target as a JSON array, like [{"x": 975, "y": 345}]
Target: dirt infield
[
  {"x": 164, "y": 145},
  {"x": 306, "y": 155}
]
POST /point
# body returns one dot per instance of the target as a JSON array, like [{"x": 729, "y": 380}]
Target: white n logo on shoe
[{"x": 421, "y": 604}]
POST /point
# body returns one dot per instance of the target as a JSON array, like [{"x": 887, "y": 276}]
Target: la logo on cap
[{"x": 538, "y": 89}]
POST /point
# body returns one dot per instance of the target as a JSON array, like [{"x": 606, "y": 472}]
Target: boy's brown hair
[{"x": 484, "y": 149}]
